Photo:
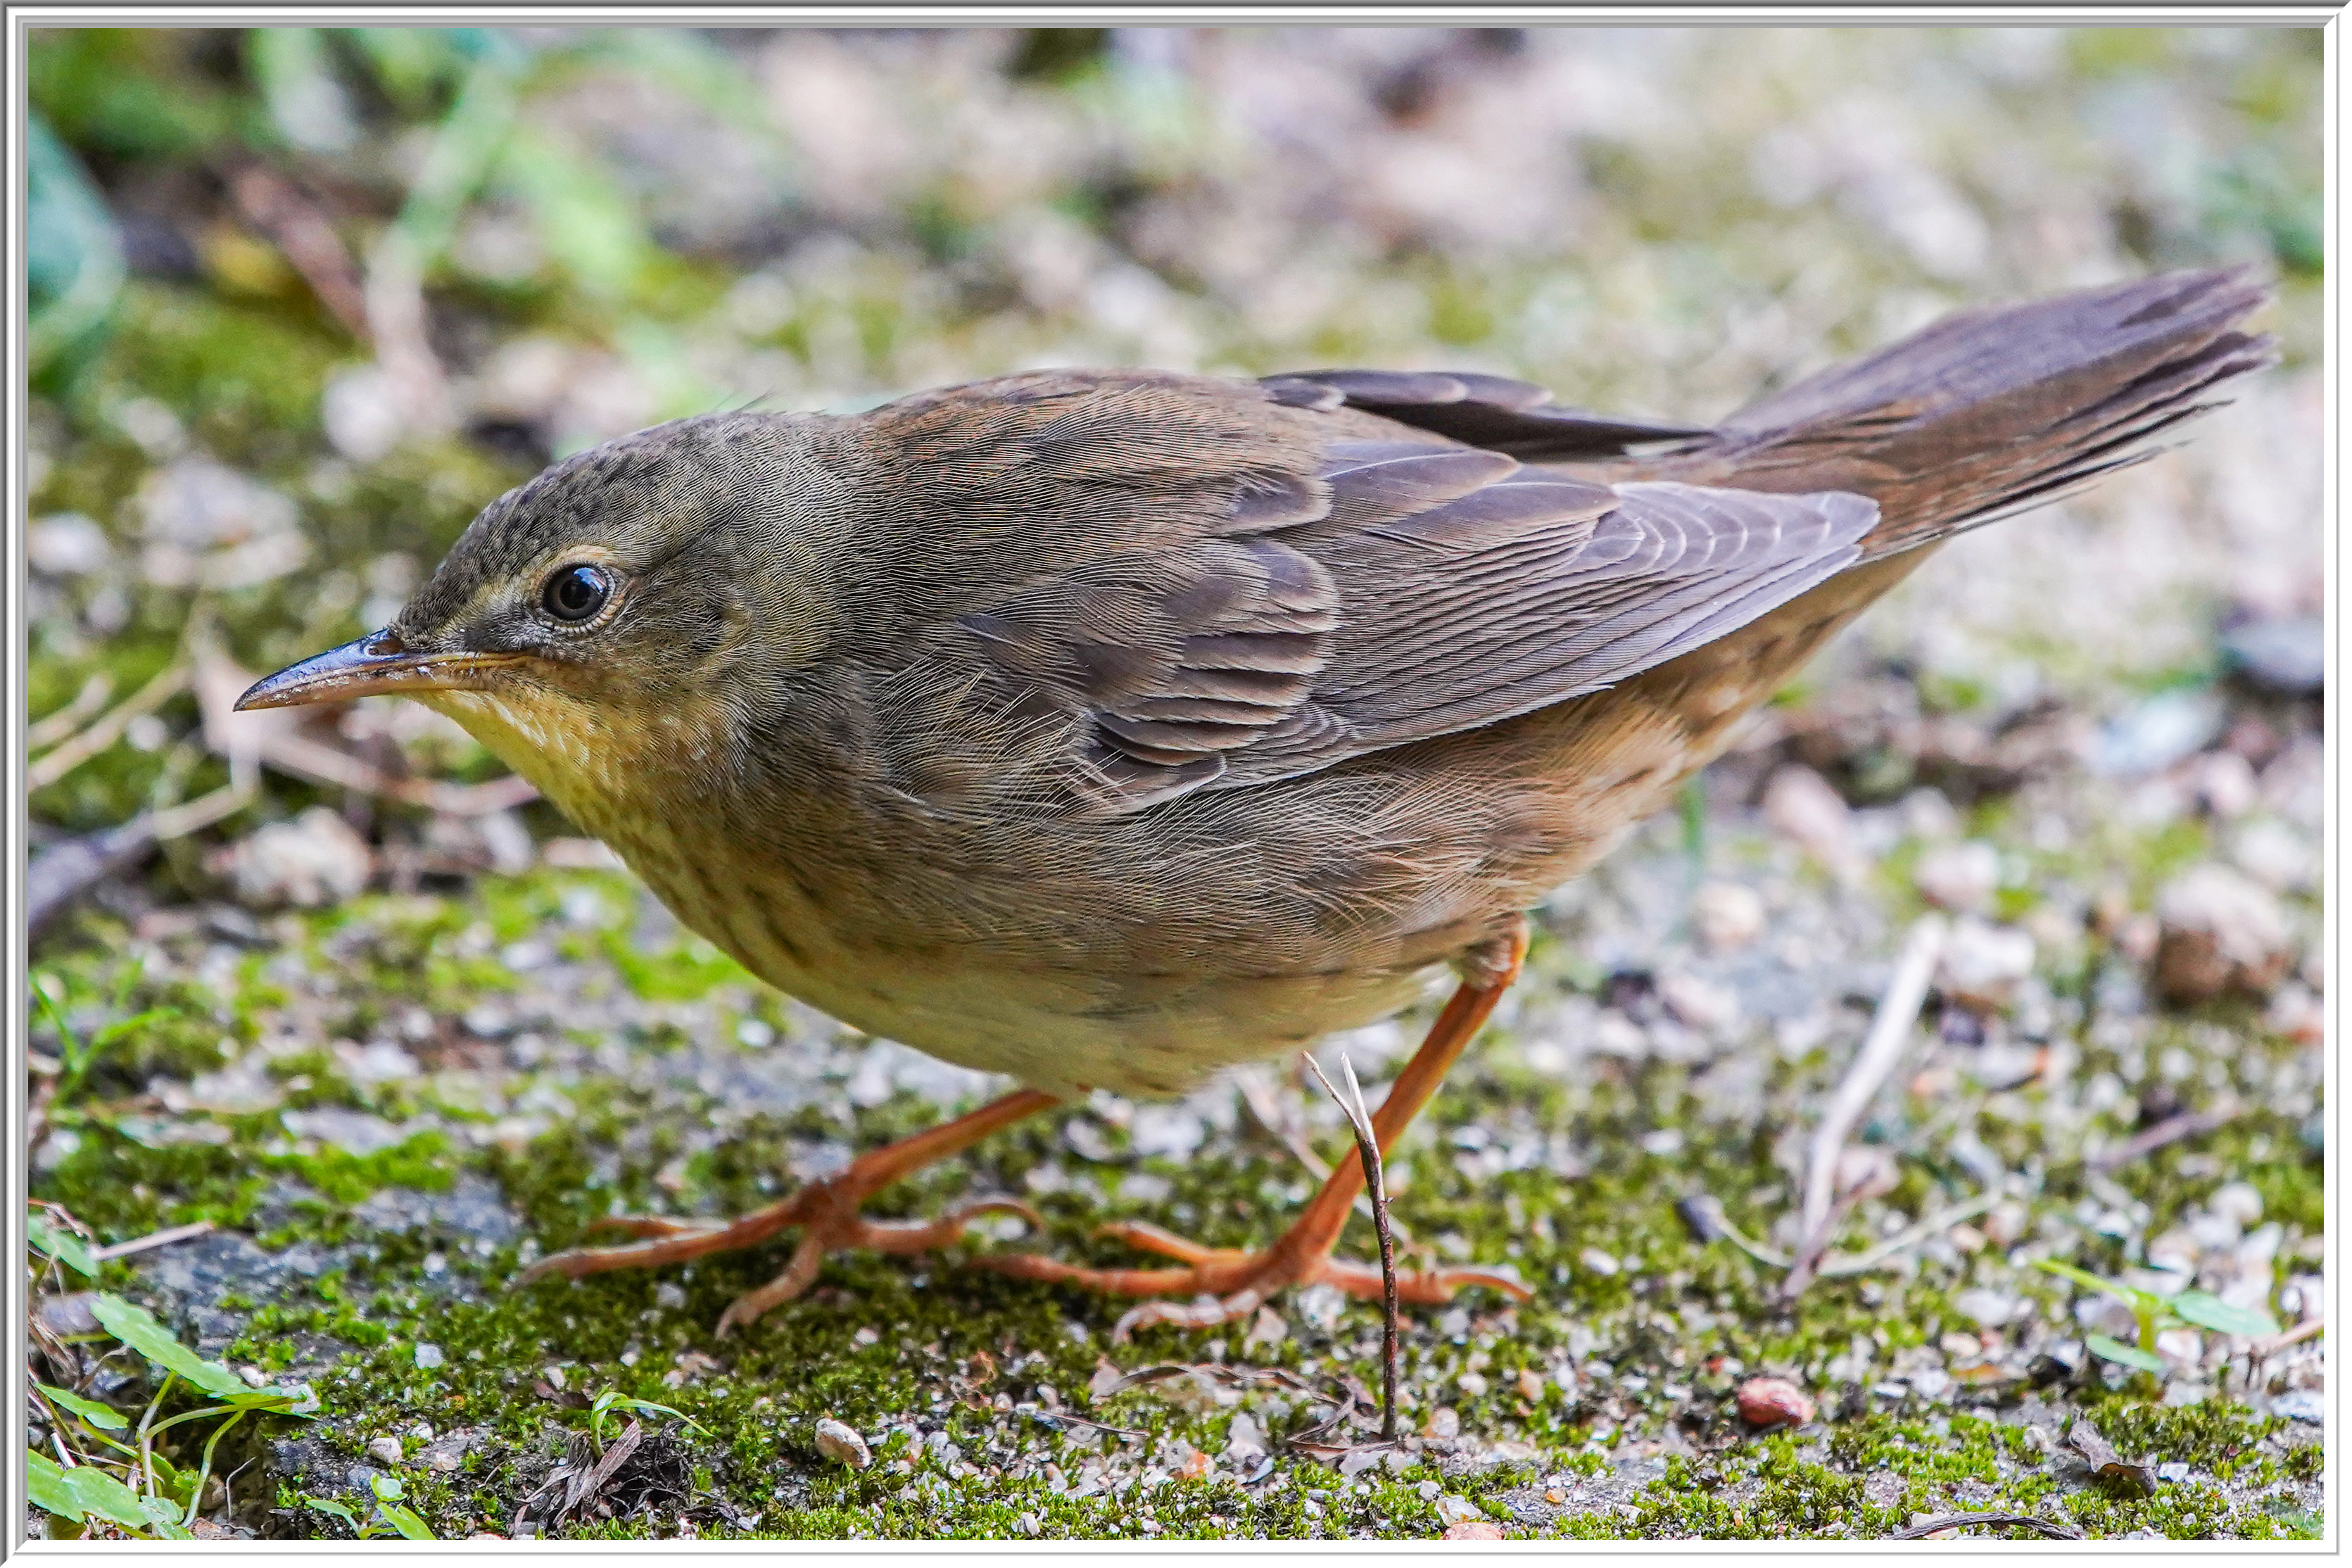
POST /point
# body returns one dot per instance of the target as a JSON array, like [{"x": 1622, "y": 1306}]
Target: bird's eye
[{"x": 575, "y": 593}]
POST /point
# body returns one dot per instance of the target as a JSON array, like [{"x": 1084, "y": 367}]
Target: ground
[{"x": 393, "y": 1053}]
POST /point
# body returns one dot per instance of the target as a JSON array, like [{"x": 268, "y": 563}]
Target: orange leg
[
  {"x": 1228, "y": 1284},
  {"x": 826, "y": 1212}
]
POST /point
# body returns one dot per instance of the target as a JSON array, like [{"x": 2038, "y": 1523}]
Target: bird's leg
[
  {"x": 826, "y": 1213},
  {"x": 1227, "y": 1284}
]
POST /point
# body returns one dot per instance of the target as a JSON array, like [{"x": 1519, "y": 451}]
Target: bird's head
[{"x": 610, "y": 619}]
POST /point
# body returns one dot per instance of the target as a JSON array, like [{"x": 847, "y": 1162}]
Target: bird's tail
[{"x": 1993, "y": 410}]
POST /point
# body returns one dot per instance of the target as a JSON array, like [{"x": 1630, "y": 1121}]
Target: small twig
[
  {"x": 1257, "y": 1097},
  {"x": 1703, "y": 1213},
  {"x": 56, "y": 1428},
  {"x": 2171, "y": 1130},
  {"x": 57, "y": 726},
  {"x": 2262, "y": 1349},
  {"x": 2049, "y": 1528},
  {"x": 103, "y": 732},
  {"x": 65, "y": 871},
  {"x": 1901, "y": 1241},
  {"x": 1062, "y": 1418},
  {"x": 1882, "y": 1049},
  {"x": 1368, "y": 1149},
  {"x": 151, "y": 1240}
]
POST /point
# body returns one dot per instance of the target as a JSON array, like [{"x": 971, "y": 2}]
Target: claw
[{"x": 644, "y": 1225}]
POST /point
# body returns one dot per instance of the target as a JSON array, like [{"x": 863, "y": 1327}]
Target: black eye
[{"x": 575, "y": 593}]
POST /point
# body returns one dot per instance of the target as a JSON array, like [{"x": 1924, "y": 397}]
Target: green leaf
[
  {"x": 387, "y": 1489},
  {"x": 54, "y": 1241},
  {"x": 2208, "y": 1311},
  {"x": 299, "y": 1400},
  {"x": 2143, "y": 1303},
  {"x": 121, "y": 1026},
  {"x": 613, "y": 1399},
  {"x": 135, "y": 1326},
  {"x": 100, "y": 1416},
  {"x": 330, "y": 1506},
  {"x": 2123, "y": 1354},
  {"x": 406, "y": 1521},
  {"x": 86, "y": 1490},
  {"x": 46, "y": 1485}
]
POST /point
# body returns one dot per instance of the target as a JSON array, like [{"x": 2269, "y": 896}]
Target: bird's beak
[{"x": 378, "y": 663}]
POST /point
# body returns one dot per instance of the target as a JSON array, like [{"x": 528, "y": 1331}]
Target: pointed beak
[{"x": 377, "y": 663}]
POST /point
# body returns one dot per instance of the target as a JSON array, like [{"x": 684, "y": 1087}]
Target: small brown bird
[{"x": 1111, "y": 728}]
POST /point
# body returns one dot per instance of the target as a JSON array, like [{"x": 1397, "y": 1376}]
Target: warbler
[{"x": 1107, "y": 728}]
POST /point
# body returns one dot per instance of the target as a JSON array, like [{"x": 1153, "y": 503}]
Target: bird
[{"x": 1108, "y": 729}]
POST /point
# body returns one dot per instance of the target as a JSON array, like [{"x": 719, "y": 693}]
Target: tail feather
[{"x": 1994, "y": 410}]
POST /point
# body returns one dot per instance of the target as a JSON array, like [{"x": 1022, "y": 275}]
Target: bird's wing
[
  {"x": 1224, "y": 594},
  {"x": 1514, "y": 418}
]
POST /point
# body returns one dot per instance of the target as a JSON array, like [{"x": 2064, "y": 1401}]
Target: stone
[
  {"x": 2287, "y": 654},
  {"x": 2219, "y": 931},
  {"x": 1962, "y": 877},
  {"x": 1701, "y": 1005},
  {"x": 1766, "y": 1402},
  {"x": 67, "y": 545},
  {"x": 314, "y": 860},
  {"x": 1981, "y": 965},
  {"x": 843, "y": 1444},
  {"x": 1801, "y": 806},
  {"x": 1726, "y": 915}
]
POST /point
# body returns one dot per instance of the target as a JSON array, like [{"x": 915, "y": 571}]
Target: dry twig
[
  {"x": 1882, "y": 1050},
  {"x": 1258, "y": 1096},
  {"x": 151, "y": 1240},
  {"x": 2049, "y": 1528},
  {"x": 1368, "y": 1149},
  {"x": 57, "y": 726},
  {"x": 77, "y": 749},
  {"x": 2171, "y": 1130}
]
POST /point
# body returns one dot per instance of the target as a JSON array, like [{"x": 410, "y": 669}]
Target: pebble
[
  {"x": 1453, "y": 1509},
  {"x": 1726, "y": 915},
  {"x": 2237, "y": 1202},
  {"x": 314, "y": 860},
  {"x": 2288, "y": 655},
  {"x": 428, "y": 1357},
  {"x": 1981, "y": 964},
  {"x": 1701, "y": 1005},
  {"x": 1801, "y": 806},
  {"x": 1988, "y": 1309},
  {"x": 385, "y": 1449},
  {"x": 67, "y": 545},
  {"x": 842, "y": 1444},
  {"x": 2296, "y": 1014},
  {"x": 2158, "y": 733},
  {"x": 1773, "y": 1402},
  {"x": 2225, "y": 784},
  {"x": 2276, "y": 855},
  {"x": 2218, "y": 930},
  {"x": 1962, "y": 877},
  {"x": 1473, "y": 1530}
]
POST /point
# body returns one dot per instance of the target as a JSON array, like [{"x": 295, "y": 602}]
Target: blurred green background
[{"x": 303, "y": 299}]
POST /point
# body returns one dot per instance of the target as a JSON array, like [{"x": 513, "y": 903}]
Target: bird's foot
[
  {"x": 1225, "y": 1284},
  {"x": 826, "y": 1214}
]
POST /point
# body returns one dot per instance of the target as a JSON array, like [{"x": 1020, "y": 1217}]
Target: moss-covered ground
[{"x": 499, "y": 1107}]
